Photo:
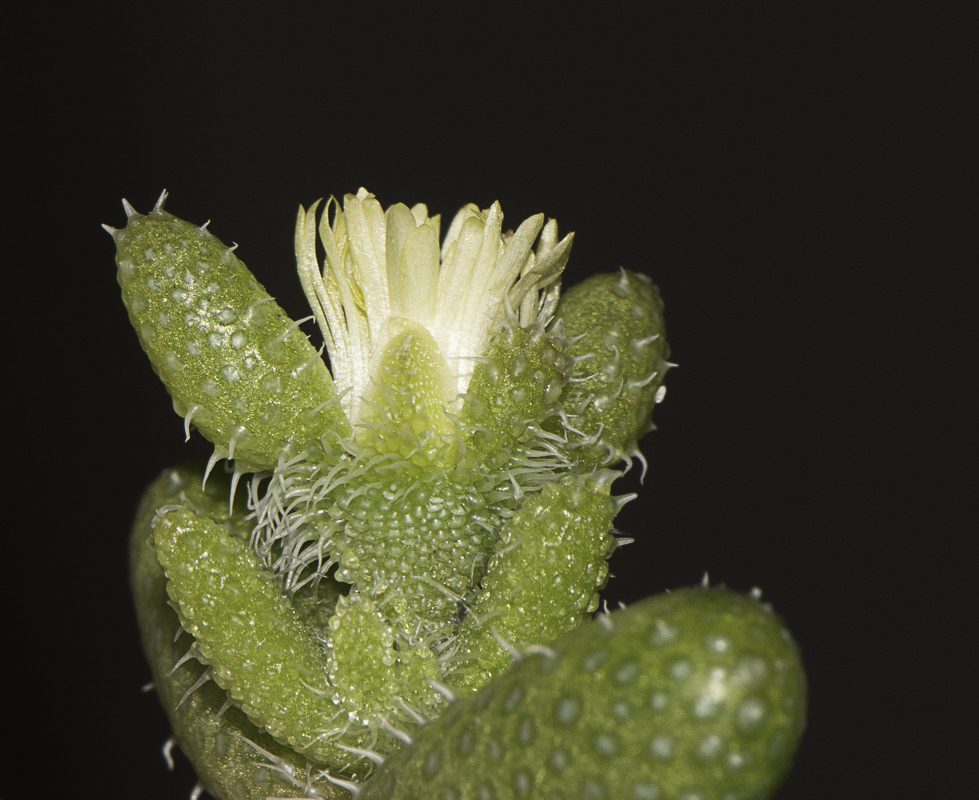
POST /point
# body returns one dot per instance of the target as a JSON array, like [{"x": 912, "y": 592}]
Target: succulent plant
[{"x": 394, "y": 602}]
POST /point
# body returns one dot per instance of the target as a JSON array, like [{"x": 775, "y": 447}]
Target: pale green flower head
[{"x": 384, "y": 274}]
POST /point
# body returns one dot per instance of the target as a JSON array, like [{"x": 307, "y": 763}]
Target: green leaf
[
  {"x": 236, "y": 366},
  {"x": 695, "y": 694}
]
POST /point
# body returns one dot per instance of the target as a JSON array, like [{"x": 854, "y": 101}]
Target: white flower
[{"x": 384, "y": 267}]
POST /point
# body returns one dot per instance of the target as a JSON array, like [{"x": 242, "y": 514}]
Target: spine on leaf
[{"x": 236, "y": 366}]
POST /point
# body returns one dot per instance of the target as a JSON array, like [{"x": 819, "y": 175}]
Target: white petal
[
  {"x": 458, "y": 285},
  {"x": 548, "y": 238},
  {"x": 334, "y": 243},
  {"x": 455, "y": 227},
  {"x": 309, "y": 271},
  {"x": 368, "y": 269},
  {"x": 458, "y": 266},
  {"x": 517, "y": 251},
  {"x": 400, "y": 223},
  {"x": 420, "y": 212},
  {"x": 418, "y": 275}
]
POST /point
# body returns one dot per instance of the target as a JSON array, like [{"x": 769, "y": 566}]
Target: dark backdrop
[{"x": 796, "y": 182}]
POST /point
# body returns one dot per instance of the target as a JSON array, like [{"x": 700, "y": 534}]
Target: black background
[{"x": 796, "y": 181}]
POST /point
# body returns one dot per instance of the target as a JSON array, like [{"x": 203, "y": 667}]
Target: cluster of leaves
[{"x": 434, "y": 509}]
